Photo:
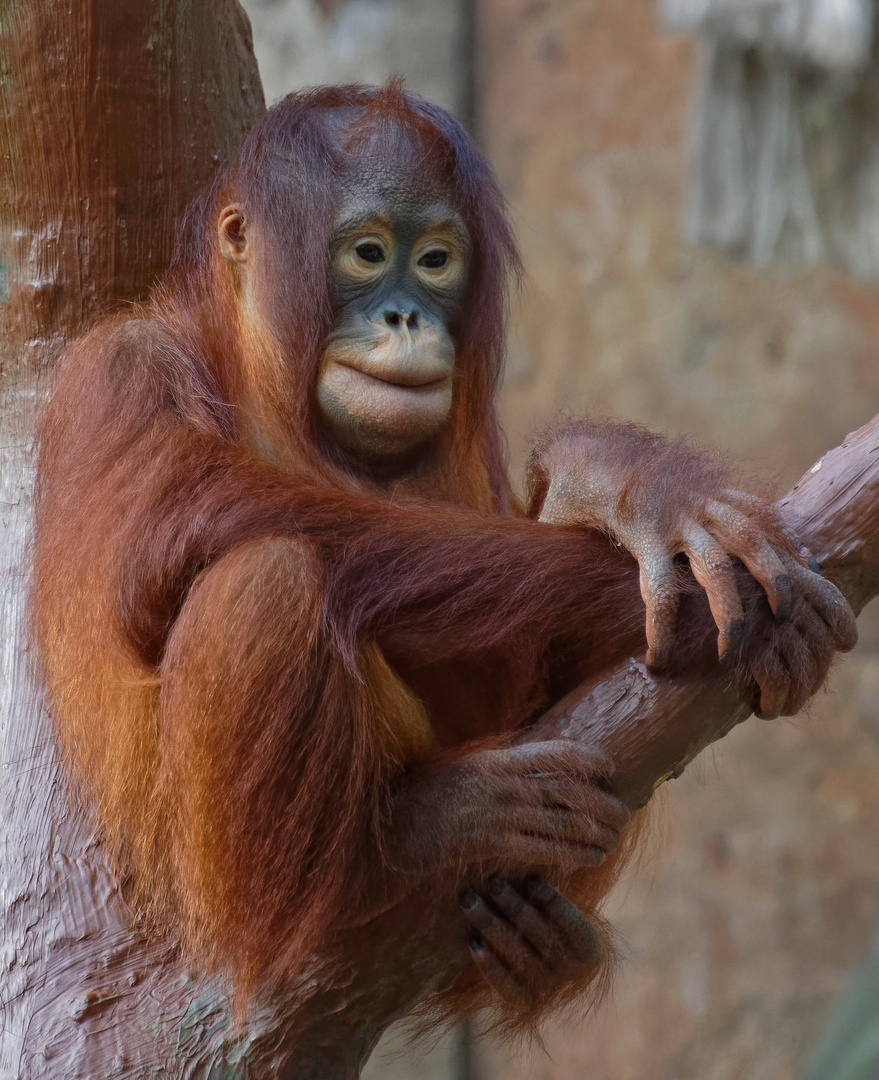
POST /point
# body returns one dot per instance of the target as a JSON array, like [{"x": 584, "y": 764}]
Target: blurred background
[{"x": 695, "y": 187}]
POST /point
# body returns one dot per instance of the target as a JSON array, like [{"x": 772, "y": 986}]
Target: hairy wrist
[{"x": 589, "y": 470}]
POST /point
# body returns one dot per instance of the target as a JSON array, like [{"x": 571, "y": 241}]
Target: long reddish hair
[
  {"x": 287, "y": 174},
  {"x": 151, "y": 487}
]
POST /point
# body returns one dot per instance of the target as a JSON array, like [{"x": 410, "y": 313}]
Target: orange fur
[{"x": 247, "y": 646}]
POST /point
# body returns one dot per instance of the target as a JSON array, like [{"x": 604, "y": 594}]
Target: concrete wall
[{"x": 305, "y": 43}]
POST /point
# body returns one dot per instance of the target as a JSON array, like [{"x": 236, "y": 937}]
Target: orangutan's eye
[
  {"x": 370, "y": 253},
  {"x": 433, "y": 260}
]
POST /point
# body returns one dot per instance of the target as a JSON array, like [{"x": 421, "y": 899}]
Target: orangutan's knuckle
[
  {"x": 748, "y": 535},
  {"x": 663, "y": 594},
  {"x": 718, "y": 566}
]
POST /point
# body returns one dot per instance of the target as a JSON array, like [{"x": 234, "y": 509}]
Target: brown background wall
[
  {"x": 767, "y": 887},
  {"x": 764, "y": 888},
  {"x": 582, "y": 107}
]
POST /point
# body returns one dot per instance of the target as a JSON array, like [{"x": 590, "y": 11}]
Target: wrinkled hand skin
[
  {"x": 661, "y": 499},
  {"x": 528, "y": 940},
  {"x": 789, "y": 658},
  {"x": 537, "y": 804}
]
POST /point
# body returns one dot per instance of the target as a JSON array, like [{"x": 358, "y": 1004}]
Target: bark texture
[{"x": 114, "y": 112}]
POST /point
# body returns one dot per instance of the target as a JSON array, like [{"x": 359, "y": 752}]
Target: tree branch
[{"x": 652, "y": 726}]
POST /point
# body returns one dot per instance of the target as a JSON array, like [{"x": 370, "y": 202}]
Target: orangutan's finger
[
  {"x": 579, "y": 934},
  {"x": 661, "y": 594},
  {"x": 714, "y": 571},
  {"x": 827, "y": 600},
  {"x": 774, "y": 683},
  {"x": 742, "y": 538}
]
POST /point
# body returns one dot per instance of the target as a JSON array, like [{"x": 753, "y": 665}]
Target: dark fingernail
[
  {"x": 469, "y": 899},
  {"x": 734, "y": 634},
  {"x": 782, "y": 585},
  {"x": 814, "y": 565},
  {"x": 475, "y": 942},
  {"x": 496, "y": 886},
  {"x": 537, "y": 886}
]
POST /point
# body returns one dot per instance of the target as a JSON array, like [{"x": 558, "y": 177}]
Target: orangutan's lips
[{"x": 403, "y": 380}]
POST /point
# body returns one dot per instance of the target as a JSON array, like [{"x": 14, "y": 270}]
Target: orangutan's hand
[
  {"x": 529, "y": 941},
  {"x": 661, "y": 499}
]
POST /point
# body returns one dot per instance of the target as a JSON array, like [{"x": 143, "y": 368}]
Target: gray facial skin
[{"x": 399, "y": 271}]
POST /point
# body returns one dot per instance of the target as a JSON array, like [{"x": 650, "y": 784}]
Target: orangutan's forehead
[
  {"x": 379, "y": 157},
  {"x": 383, "y": 187}
]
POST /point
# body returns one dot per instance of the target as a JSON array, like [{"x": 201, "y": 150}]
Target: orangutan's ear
[{"x": 232, "y": 233}]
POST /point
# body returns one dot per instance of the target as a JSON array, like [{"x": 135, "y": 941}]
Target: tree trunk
[{"x": 114, "y": 113}]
